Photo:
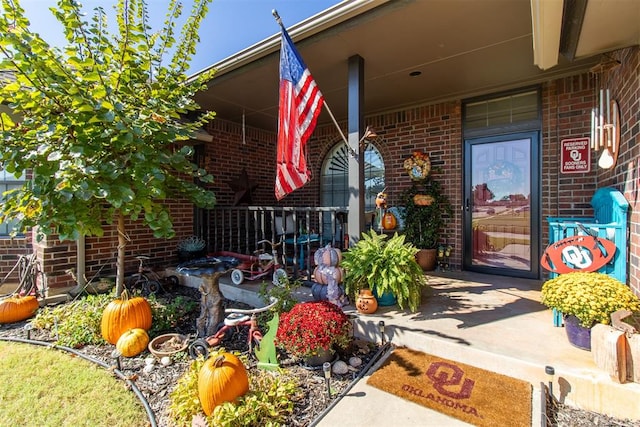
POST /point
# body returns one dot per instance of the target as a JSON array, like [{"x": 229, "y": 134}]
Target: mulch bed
[{"x": 158, "y": 384}]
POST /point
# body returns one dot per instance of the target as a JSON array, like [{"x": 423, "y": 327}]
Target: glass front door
[{"x": 501, "y": 208}]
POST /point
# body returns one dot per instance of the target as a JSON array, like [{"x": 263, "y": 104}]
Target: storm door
[{"x": 501, "y": 210}]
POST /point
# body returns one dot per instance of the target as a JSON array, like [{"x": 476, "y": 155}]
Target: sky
[{"x": 229, "y": 27}]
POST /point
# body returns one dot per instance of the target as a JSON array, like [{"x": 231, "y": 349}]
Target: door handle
[{"x": 466, "y": 205}]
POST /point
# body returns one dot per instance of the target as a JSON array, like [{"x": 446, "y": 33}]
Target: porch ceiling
[{"x": 462, "y": 48}]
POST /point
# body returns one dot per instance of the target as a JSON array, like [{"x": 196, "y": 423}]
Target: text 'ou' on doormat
[{"x": 474, "y": 395}]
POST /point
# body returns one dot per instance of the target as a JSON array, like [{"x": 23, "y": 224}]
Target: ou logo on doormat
[{"x": 449, "y": 380}]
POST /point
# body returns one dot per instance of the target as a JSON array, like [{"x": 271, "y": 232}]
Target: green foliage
[
  {"x": 184, "y": 397},
  {"x": 283, "y": 293},
  {"x": 101, "y": 120},
  {"x": 423, "y": 224},
  {"x": 166, "y": 316},
  {"x": 76, "y": 323},
  {"x": 591, "y": 297},
  {"x": 388, "y": 265},
  {"x": 268, "y": 403}
]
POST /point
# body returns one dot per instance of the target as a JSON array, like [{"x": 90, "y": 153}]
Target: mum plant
[
  {"x": 591, "y": 297},
  {"x": 311, "y": 327}
]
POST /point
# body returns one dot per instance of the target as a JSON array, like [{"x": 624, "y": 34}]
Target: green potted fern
[{"x": 384, "y": 265}]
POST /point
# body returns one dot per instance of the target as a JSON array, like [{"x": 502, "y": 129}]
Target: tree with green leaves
[{"x": 101, "y": 121}]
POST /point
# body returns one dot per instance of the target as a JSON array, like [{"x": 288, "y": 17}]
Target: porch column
[{"x": 355, "y": 223}]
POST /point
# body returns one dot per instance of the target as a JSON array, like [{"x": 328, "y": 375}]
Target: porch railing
[{"x": 301, "y": 230}]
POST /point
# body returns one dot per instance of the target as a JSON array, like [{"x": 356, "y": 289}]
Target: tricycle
[{"x": 258, "y": 265}]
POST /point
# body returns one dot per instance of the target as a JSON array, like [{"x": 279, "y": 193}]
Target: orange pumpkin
[
  {"x": 133, "y": 342},
  {"x": 389, "y": 221},
  {"x": 221, "y": 379},
  {"x": 123, "y": 314},
  {"x": 17, "y": 308}
]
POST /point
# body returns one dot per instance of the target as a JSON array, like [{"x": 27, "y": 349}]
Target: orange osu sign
[{"x": 578, "y": 253}]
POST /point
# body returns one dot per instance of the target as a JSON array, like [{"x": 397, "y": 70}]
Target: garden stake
[{"x": 326, "y": 368}]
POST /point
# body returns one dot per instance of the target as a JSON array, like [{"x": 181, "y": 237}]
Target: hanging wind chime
[{"x": 605, "y": 118}]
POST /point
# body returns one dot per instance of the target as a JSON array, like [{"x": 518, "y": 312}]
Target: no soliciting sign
[{"x": 575, "y": 155}]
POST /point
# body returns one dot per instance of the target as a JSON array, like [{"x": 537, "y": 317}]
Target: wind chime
[{"x": 605, "y": 118}]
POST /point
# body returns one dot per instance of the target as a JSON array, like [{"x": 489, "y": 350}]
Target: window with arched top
[{"x": 334, "y": 189}]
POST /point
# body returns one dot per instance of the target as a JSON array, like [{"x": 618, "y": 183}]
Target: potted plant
[
  {"x": 191, "y": 248},
  {"x": 586, "y": 298},
  {"x": 424, "y": 213},
  {"x": 383, "y": 265},
  {"x": 313, "y": 331}
]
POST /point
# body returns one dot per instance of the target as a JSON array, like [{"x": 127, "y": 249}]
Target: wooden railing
[{"x": 301, "y": 230}]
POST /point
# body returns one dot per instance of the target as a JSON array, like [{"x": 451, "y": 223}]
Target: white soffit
[{"x": 546, "y": 22}]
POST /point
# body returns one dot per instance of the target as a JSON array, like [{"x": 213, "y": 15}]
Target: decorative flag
[{"x": 300, "y": 104}]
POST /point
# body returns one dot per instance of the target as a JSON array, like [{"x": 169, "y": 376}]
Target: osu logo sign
[{"x": 578, "y": 253}]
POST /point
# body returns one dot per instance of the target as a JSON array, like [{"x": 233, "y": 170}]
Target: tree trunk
[
  {"x": 122, "y": 243},
  {"x": 211, "y": 309}
]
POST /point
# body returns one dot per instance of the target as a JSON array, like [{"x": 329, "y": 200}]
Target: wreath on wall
[{"x": 418, "y": 166}]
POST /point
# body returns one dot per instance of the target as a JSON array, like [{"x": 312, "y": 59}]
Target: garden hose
[{"x": 120, "y": 374}]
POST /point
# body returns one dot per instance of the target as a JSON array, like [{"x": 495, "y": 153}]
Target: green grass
[{"x": 45, "y": 387}]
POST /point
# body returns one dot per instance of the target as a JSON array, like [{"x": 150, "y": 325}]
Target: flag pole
[{"x": 335, "y": 122}]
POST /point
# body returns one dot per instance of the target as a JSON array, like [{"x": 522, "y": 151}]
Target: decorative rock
[
  {"x": 148, "y": 368},
  {"x": 340, "y": 368},
  {"x": 355, "y": 361},
  {"x": 149, "y": 361},
  {"x": 165, "y": 361}
]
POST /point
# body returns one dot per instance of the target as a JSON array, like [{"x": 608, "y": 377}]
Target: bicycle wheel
[
  {"x": 151, "y": 287},
  {"x": 237, "y": 276},
  {"x": 280, "y": 277},
  {"x": 199, "y": 348}
]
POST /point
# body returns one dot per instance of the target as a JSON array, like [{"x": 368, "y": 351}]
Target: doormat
[{"x": 471, "y": 394}]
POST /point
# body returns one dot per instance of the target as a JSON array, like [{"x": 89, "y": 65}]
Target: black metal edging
[
  {"x": 134, "y": 387},
  {"x": 381, "y": 351}
]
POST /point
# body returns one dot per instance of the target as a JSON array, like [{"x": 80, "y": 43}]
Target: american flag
[{"x": 300, "y": 104}]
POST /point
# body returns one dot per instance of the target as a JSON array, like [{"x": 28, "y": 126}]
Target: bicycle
[
  {"x": 233, "y": 323},
  {"x": 261, "y": 264},
  {"x": 30, "y": 275},
  {"x": 146, "y": 281}
]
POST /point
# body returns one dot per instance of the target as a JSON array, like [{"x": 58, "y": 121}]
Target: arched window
[{"x": 335, "y": 177}]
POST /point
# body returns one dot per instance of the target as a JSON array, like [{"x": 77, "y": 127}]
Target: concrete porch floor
[{"x": 492, "y": 322}]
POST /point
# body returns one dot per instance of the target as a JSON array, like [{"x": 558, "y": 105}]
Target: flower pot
[
  {"x": 426, "y": 258},
  {"x": 385, "y": 299},
  {"x": 319, "y": 358},
  {"x": 366, "y": 302},
  {"x": 578, "y": 335}
]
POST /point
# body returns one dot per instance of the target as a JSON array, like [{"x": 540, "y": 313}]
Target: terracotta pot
[
  {"x": 426, "y": 258},
  {"x": 366, "y": 302}
]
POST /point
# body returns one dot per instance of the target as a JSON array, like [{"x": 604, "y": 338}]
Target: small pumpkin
[
  {"x": 221, "y": 379},
  {"x": 133, "y": 342},
  {"x": 124, "y": 313},
  {"x": 328, "y": 256},
  {"x": 324, "y": 274},
  {"x": 17, "y": 308},
  {"x": 389, "y": 221}
]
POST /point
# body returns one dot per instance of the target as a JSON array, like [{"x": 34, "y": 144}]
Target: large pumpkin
[
  {"x": 123, "y": 314},
  {"x": 133, "y": 342},
  {"x": 221, "y": 379},
  {"x": 17, "y": 308}
]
